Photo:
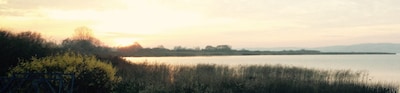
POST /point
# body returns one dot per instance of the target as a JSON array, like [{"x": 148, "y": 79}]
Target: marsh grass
[{"x": 211, "y": 78}]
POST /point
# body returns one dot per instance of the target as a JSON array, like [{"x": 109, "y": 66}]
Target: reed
[{"x": 211, "y": 78}]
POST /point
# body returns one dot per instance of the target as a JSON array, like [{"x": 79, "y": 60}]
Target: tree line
[{"x": 137, "y": 50}]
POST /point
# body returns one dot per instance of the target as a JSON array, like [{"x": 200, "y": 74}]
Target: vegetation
[
  {"x": 136, "y": 50},
  {"x": 40, "y": 56},
  {"x": 22, "y": 46},
  {"x": 84, "y": 43},
  {"x": 99, "y": 69},
  {"x": 207, "y": 78},
  {"x": 25, "y": 45},
  {"x": 91, "y": 74}
]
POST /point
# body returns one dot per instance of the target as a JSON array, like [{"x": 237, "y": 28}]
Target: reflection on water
[{"x": 384, "y": 68}]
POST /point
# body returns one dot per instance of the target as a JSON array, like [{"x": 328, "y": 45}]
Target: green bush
[{"x": 91, "y": 74}]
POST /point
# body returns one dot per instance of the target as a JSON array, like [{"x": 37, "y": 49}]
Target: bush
[
  {"x": 22, "y": 45},
  {"x": 91, "y": 74}
]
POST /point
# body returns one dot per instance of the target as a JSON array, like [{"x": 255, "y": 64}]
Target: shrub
[
  {"x": 91, "y": 74},
  {"x": 24, "y": 45}
]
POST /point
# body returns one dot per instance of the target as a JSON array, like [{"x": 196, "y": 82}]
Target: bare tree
[
  {"x": 83, "y": 33},
  {"x": 86, "y": 34}
]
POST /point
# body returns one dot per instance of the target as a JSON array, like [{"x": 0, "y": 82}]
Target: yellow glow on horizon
[
  {"x": 152, "y": 21},
  {"x": 121, "y": 42},
  {"x": 71, "y": 15}
]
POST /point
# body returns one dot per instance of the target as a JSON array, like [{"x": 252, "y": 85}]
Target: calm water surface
[{"x": 384, "y": 68}]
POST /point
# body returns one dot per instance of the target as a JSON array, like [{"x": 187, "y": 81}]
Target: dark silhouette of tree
[
  {"x": 82, "y": 46},
  {"x": 159, "y": 47},
  {"x": 180, "y": 48},
  {"x": 130, "y": 50},
  {"x": 84, "y": 42},
  {"x": 224, "y": 48},
  {"x": 22, "y": 46},
  {"x": 86, "y": 34},
  {"x": 209, "y": 48},
  {"x": 218, "y": 48}
]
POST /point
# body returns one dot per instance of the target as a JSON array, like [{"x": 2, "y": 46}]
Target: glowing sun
[{"x": 124, "y": 41}]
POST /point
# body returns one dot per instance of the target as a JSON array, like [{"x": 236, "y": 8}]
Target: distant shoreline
[{"x": 254, "y": 53}]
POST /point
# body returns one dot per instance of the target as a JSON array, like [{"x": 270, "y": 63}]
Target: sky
[{"x": 197, "y": 23}]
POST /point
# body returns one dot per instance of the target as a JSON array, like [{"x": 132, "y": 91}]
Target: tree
[
  {"x": 179, "y": 48},
  {"x": 224, "y": 48},
  {"x": 218, "y": 48},
  {"x": 82, "y": 46},
  {"x": 131, "y": 48},
  {"x": 136, "y": 45},
  {"x": 85, "y": 34},
  {"x": 159, "y": 47},
  {"x": 84, "y": 42},
  {"x": 209, "y": 48},
  {"x": 22, "y": 46}
]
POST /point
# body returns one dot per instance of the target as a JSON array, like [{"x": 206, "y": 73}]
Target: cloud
[
  {"x": 3, "y": 2},
  {"x": 63, "y": 4},
  {"x": 19, "y": 13},
  {"x": 35, "y": 8},
  {"x": 122, "y": 35},
  {"x": 315, "y": 13}
]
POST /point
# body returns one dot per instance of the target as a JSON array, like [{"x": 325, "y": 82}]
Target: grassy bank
[{"x": 201, "y": 78}]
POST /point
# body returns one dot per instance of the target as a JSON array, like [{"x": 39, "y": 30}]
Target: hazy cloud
[
  {"x": 122, "y": 35},
  {"x": 63, "y": 4},
  {"x": 191, "y": 21},
  {"x": 3, "y": 2},
  {"x": 19, "y": 13},
  {"x": 316, "y": 13}
]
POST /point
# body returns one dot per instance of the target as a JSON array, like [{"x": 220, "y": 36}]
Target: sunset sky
[{"x": 192, "y": 23}]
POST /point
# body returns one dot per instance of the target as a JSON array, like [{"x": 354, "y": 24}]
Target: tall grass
[{"x": 202, "y": 78}]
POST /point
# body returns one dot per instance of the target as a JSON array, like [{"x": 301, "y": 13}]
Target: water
[{"x": 382, "y": 68}]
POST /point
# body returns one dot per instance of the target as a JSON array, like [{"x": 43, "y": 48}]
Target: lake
[{"x": 383, "y": 68}]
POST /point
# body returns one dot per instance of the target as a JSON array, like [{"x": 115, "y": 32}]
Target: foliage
[
  {"x": 91, "y": 74},
  {"x": 218, "y": 48},
  {"x": 84, "y": 42},
  {"x": 85, "y": 33},
  {"x": 137, "y": 51},
  {"x": 22, "y": 46},
  {"x": 126, "y": 50}
]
